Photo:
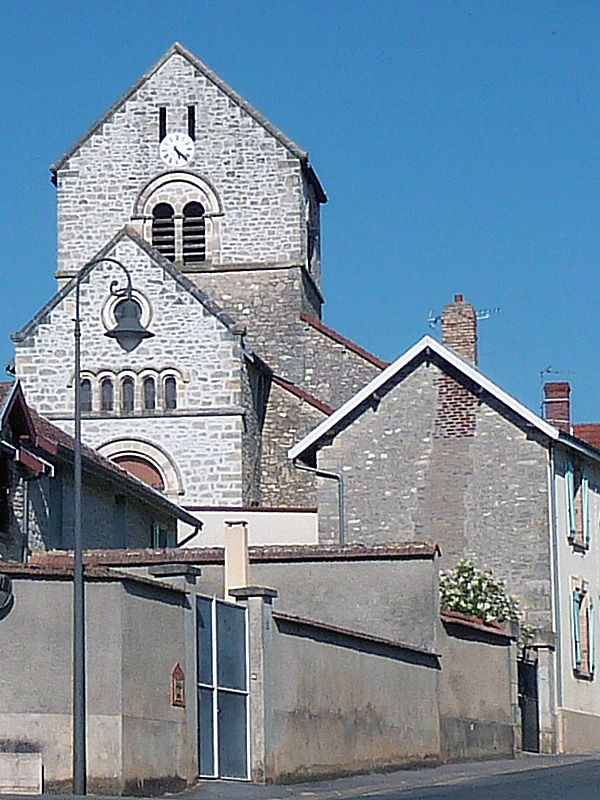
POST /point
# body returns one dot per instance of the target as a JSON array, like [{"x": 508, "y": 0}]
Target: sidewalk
[
  {"x": 381, "y": 783},
  {"x": 371, "y": 785}
]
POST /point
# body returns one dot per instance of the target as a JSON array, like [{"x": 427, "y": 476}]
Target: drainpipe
[
  {"x": 25, "y": 554},
  {"x": 322, "y": 473}
]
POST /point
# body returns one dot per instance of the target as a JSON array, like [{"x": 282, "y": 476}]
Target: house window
[
  {"x": 582, "y": 619},
  {"x": 163, "y": 230},
  {"x": 149, "y": 394},
  {"x": 85, "y": 394},
  {"x": 127, "y": 395},
  {"x": 170, "y": 392},
  {"x": 194, "y": 233},
  {"x": 163, "y": 537},
  {"x": 578, "y": 505},
  {"x": 106, "y": 395}
]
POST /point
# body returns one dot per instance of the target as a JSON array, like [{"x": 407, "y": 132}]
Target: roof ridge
[
  {"x": 178, "y": 48},
  {"x": 337, "y": 337},
  {"x": 424, "y": 348}
]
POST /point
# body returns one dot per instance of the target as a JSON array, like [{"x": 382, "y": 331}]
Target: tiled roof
[
  {"x": 262, "y": 554},
  {"x": 298, "y": 392},
  {"x": 469, "y": 621},
  {"x": 45, "y": 428},
  {"x": 64, "y": 571},
  {"x": 336, "y": 337},
  {"x": 589, "y": 432}
]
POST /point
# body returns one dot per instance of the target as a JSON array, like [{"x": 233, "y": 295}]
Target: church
[
  {"x": 244, "y": 402},
  {"x": 216, "y": 214}
]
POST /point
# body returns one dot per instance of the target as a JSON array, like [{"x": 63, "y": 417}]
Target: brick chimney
[
  {"x": 557, "y": 405},
  {"x": 459, "y": 328}
]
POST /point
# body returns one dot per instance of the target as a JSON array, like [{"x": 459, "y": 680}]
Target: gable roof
[
  {"x": 302, "y": 394},
  {"x": 179, "y": 49},
  {"x": 165, "y": 264},
  {"x": 417, "y": 353},
  {"x": 64, "y": 445},
  {"x": 347, "y": 343}
]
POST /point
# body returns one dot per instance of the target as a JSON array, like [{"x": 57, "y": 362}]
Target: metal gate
[
  {"x": 222, "y": 689},
  {"x": 528, "y": 703}
]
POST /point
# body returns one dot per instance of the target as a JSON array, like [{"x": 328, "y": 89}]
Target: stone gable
[
  {"x": 202, "y": 437},
  {"x": 260, "y": 184}
]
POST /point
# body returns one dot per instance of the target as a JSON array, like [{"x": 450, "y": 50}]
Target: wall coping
[
  {"x": 476, "y": 623},
  {"x": 396, "y": 551},
  {"x": 367, "y": 637}
]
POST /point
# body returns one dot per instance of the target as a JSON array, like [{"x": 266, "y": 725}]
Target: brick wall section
[
  {"x": 456, "y": 409},
  {"x": 482, "y": 496},
  {"x": 459, "y": 328},
  {"x": 557, "y": 404}
]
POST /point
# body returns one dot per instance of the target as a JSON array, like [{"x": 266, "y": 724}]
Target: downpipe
[{"x": 323, "y": 473}]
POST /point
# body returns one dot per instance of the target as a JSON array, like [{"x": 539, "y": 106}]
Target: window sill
[
  {"x": 579, "y": 546},
  {"x": 583, "y": 675}
]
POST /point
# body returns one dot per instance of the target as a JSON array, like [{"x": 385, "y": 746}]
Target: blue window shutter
[
  {"x": 585, "y": 508},
  {"x": 591, "y": 634},
  {"x": 570, "y": 490},
  {"x": 575, "y": 606}
]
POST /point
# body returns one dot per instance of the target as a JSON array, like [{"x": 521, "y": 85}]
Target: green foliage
[{"x": 475, "y": 591}]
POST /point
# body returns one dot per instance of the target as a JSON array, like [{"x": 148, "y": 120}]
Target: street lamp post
[{"x": 128, "y": 333}]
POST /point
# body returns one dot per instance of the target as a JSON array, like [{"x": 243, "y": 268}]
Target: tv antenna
[{"x": 484, "y": 313}]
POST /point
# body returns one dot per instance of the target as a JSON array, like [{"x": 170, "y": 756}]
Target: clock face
[{"x": 177, "y": 149}]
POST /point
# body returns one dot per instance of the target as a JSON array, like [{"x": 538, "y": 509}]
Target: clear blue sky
[{"x": 458, "y": 142}]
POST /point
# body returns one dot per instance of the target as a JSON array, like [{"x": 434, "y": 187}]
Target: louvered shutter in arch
[
  {"x": 163, "y": 230},
  {"x": 194, "y": 233}
]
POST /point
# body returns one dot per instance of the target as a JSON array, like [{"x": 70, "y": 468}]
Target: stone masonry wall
[
  {"x": 203, "y": 436},
  {"x": 258, "y": 180},
  {"x": 482, "y": 496},
  {"x": 288, "y": 419},
  {"x": 332, "y": 371},
  {"x": 268, "y": 302}
]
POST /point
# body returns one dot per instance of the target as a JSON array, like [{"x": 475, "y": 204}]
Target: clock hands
[{"x": 179, "y": 153}]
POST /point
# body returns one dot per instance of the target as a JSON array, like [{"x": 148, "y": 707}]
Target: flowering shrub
[{"x": 475, "y": 591}]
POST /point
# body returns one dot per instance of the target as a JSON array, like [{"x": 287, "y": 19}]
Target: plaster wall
[
  {"x": 264, "y": 527},
  {"x": 476, "y": 698},
  {"x": 339, "y": 705},
  {"x": 580, "y": 697},
  {"x": 36, "y": 682},
  {"x": 392, "y": 599}
]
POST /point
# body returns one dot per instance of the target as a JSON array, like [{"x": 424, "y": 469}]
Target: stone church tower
[
  {"x": 214, "y": 186},
  {"x": 216, "y": 215}
]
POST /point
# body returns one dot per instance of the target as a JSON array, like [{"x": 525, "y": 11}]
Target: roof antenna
[
  {"x": 543, "y": 373},
  {"x": 484, "y": 313}
]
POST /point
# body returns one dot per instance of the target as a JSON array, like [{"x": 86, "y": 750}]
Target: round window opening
[{"x": 115, "y": 309}]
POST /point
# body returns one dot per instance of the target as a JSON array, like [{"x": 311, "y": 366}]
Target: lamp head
[{"x": 129, "y": 331}]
